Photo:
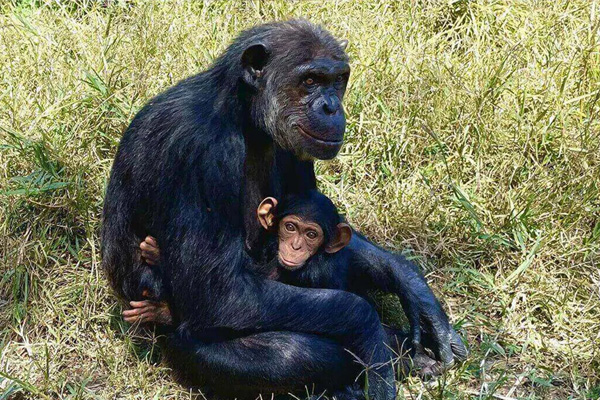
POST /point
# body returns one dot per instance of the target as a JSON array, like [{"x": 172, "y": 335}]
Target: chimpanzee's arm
[{"x": 376, "y": 269}]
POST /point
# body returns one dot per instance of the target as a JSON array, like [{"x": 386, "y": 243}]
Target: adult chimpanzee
[{"x": 192, "y": 168}]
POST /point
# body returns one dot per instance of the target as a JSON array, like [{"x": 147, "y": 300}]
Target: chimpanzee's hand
[
  {"x": 429, "y": 324},
  {"x": 148, "y": 311},
  {"x": 150, "y": 251}
]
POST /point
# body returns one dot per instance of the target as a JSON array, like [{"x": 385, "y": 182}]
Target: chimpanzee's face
[
  {"x": 315, "y": 94},
  {"x": 299, "y": 240},
  {"x": 298, "y": 86},
  {"x": 310, "y": 116}
]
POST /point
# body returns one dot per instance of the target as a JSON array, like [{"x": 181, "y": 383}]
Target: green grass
[{"x": 473, "y": 143}]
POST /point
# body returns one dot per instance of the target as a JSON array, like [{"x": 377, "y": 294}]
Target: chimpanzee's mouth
[
  {"x": 288, "y": 264},
  {"x": 307, "y": 133}
]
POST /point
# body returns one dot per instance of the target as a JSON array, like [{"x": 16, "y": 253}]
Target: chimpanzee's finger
[
  {"x": 150, "y": 246},
  {"x": 141, "y": 303},
  {"x": 459, "y": 349},
  {"x": 150, "y": 249},
  {"x": 151, "y": 241},
  {"x": 150, "y": 252},
  {"x": 149, "y": 258},
  {"x": 135, "y": 311},
  {"x": 134, "y": 318},
  {"x": 146, "y": 247},
  {"x": 415, "y": 332},
  {"x": 131, "y": 320},
  {"x": 441, "y": 346},
  {"x": 155, "y": 253},
  {"x": 440, "y": 338}
]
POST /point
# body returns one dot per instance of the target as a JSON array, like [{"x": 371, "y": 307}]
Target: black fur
[{"x": 191, "y": 170}]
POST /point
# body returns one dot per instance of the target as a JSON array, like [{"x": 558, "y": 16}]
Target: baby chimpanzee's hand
[{"x": 150, "y": 251}]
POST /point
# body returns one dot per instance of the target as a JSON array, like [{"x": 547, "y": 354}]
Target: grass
[{"x": 473, "y": 143}]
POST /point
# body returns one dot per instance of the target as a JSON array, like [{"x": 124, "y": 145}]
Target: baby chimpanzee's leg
[{"x": 153, "y": 309}]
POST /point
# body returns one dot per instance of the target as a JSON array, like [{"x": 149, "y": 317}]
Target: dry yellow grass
[{"x": 473, "y": 143}]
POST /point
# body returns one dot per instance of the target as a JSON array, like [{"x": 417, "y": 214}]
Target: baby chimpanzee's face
[
  {"x": 301, "y": 227},
  {"x": 299, "y": 239}
]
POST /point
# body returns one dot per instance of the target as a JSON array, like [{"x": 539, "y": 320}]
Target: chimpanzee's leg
[
  {"x": 268, "y": 362},
  {"x": 340, "y": 315},
  {"x": 313, "y": 319}
]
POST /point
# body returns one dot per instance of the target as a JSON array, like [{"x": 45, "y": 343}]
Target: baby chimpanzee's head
[{"x": 305, "y": 224}]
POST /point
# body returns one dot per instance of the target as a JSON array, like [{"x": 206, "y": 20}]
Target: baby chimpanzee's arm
[{"x": 154, "y": 308}]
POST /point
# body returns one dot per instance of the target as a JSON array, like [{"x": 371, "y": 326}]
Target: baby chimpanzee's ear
[
  {"x": 265, "y": 212},
  {"x": 343, "y": 234}
]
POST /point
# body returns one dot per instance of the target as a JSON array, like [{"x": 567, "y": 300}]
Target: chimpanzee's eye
[
  {"x": 339, "y": 78},
  {"x": 290, "y": 227},
  {"x": 312, "y": 234},
  {"x": 309, "y": 81}
]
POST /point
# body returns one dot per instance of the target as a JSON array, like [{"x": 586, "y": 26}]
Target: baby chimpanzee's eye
[
  {"x": 312, "y": 235},
  {"x": 290, "y": 227}
]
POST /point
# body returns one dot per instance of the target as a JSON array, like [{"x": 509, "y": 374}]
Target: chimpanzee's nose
[
  {"x": 296, "y": 244},
  {"x": 331, "y": 105}
]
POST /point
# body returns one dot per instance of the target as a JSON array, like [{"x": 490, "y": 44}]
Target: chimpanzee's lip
[
  {"x": 288, "y": 264},
  {"x": 306, "y": 132}
]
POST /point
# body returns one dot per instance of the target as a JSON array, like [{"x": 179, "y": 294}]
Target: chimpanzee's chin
[
  {"x": 303, "y": 156},
  {"x": 323, "y": 153}
]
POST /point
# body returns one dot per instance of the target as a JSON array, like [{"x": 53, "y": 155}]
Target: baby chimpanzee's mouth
[{"x": 289, "y": 264}]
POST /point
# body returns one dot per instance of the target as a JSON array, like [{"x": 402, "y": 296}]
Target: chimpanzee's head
[
  {"x": 297, "y": 73},
  {"x": 305, "y": 224}
]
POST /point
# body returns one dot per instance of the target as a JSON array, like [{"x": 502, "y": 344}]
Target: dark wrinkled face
[
  {"x": 297, "y": 74},
  {"x": 299, "y": 240},
  {"x": 310, "y": 116}
]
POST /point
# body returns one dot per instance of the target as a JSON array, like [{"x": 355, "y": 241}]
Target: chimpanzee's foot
[
  {"x": 421, "y": 363},
  {"x": 150, "y": 251},
  {"x": 148, "y": 311}
]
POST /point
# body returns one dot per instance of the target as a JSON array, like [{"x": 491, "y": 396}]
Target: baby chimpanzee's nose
[{"x": 297, "y": 243}]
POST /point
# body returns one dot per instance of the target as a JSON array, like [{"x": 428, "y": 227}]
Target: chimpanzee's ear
[
  {"x": 254, "y": 59},
  {"x": 265, "y": 212},
  {"x": 343, "y": 235}
]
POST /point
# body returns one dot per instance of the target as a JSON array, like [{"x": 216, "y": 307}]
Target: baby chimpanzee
[
  {"x": 303, "y": 244},
  {"x": 305, "y": 238}
]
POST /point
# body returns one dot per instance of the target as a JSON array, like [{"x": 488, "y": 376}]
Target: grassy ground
[{"x": 473, "y": 143}]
